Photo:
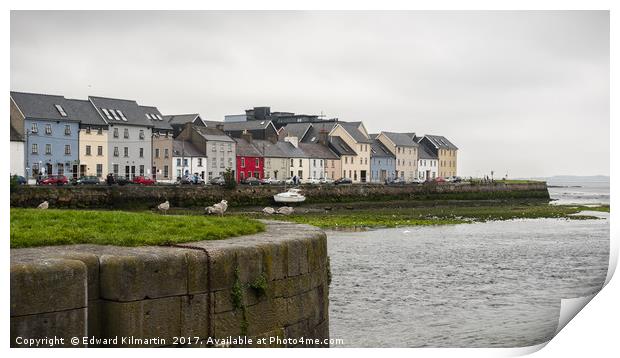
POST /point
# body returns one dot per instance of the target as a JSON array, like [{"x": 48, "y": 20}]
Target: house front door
[{"x": 363, "y": 176}]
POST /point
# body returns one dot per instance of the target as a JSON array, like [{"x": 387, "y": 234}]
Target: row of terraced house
[{"x": 54, "y": 135}]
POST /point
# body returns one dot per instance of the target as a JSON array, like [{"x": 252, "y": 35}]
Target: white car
[
  {"x": 418, "y": 181},
  {"x": 312, "y": 181},
  {"x": 289, "y": 181},
  {"x": 326, "y": 181},
  {"x": 270, "y": 181}
]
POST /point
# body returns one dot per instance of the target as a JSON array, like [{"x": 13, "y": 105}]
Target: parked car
[
  {"x": 326, "y": 181},
  {"x": 418, "y": 181},
  {"x": 395, "y": 181},
  {"x": 217, "y": 181},
  {"x": 19, "y": 179},
  {"x": 343, "y": 181},
  {"x": 456, "y": 179},
  {"x": 121, "y": 180},
  {"x": 54, "y": 180},
  {"x": 192, "y": 179},
  {"x": 250, "y": 181},
  {"x": 312, "y": 181},
  {"x": 143, "y": 180},
  {"x": 88, "y": 180},
  {"x": 270, "y": 181},
  {"x": 289, "y": 181},
  {"x": 439, "y": 180}
]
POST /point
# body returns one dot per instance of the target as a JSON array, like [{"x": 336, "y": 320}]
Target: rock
[
  {"x": 285, "y": 210},
  {"x": 269, "y": 211}
]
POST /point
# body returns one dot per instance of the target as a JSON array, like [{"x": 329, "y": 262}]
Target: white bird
[
  {"x": 165, "y": 206},
  {"x": 285, "y": 210},
  {"x": 219, "y": 208},
  {"x": 43, "y": 205},
  {"x": 269, "y": 211}
]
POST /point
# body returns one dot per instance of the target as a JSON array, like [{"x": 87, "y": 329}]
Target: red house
[{"x": 250, "y": 161}]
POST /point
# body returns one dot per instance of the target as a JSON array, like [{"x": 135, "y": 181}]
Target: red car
[
  {"x": 54, "y": 180},
  {"x": 143, "y": 180},
  {"x": 439, "y": 180}
]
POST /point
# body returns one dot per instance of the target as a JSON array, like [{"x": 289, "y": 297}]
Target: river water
[{"x": 494, "y": 284}]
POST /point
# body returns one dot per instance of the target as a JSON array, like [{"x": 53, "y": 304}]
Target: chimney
[
  {"x": 323, "y": 136},
  {"x": 293, "y": 140},
  {"x": 247, "y": 136}
]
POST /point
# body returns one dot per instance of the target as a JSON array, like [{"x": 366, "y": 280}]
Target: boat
[{"x": 290, "y": 196}]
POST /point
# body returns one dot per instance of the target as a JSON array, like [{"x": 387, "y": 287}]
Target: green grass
[
  {"x": 34, "y": 227},
  {"x": 441, "y": 215}
]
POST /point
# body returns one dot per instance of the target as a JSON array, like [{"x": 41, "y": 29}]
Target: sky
[{"x": 520, "y": 93}]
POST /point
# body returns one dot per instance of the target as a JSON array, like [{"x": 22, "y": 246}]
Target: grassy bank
[
  {"x": 33, "y": 227},
  {"x": 439, "y": 215}
]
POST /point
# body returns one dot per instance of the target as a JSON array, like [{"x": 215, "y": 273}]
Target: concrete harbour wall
[
  {"x": 269, "y": 285},
  {"x": 140, "y": 197}
]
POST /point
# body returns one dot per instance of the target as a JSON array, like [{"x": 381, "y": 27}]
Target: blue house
[
  {"x": 50, "y": 127},
  {"x": 382, "y": 161}
]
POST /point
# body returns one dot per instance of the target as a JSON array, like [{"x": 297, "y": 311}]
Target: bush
[{"x": 229, "y": 179}]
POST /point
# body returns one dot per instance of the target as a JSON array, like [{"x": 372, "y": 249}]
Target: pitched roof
[
  {"x": 353, "y": 130},
  {"x": 377, "y": 149},
  {"x": 42, "y": 106},
  {"x": 400, "y": 139},
  {"x": 156, "y": 122},
  {"x": 182, "y": 118},
  {"x": 440, "y": 142},
  {"x": 340, "y": 147},
  {"x": 212, "y": 133},
  {"x": 425, "y": 154},
  {"x": 129, "y": 108},
  {"x": 182, "y": 148},
  {"x": 15, "y": 136},
  {"x": 298, "y": 130},
  {"x": 316, "y": 150},
  {"x": 247, "y": 125},
  {"x": 246, "y": 149},
  {"x": 84, "y": 111},
  {"x": 312, "y": 136}
]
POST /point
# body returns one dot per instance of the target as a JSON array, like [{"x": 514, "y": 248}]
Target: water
[
  {"x": 567, "y": 191},
  {"x": 495, "y": 284}
]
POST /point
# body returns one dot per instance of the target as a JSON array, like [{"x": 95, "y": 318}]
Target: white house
[
  {"x": 187, "y": 159},
  {"x": 17, "y": 154},
  {"x": 427, "y": 164}
]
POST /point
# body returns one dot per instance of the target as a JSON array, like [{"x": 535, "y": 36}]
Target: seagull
[
  {"x": 165, "y": 206},
  {"x": 43, "y": 205},
  {"x": 269, "y": 211}
]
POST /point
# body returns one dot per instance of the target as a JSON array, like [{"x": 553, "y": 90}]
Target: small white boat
[{"x": 290, "y": 196}]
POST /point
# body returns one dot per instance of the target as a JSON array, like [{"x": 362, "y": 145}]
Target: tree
[{"x": 229, "y": 179}]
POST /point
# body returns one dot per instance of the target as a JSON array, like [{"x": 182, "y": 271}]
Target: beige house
[
  {"x": 406, "y": 151},
  {"x": 92, "y": 139},
  {"x": 445, "y": 151},
  {"x": 351, "y": 142}
]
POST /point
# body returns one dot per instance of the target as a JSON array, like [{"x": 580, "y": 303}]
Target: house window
[
  {"x": 99, "y": 150},
  {"x": 116, "y": 151},
  {"x": 156, "y": 152},
  {"x": 67, "y": 149},
  {"x": 67, "y": 129},
  {"x": 115, "y": 132},
  {"x": 48, "y": 129},
  {"x": 221, "y": 162},
  {"x": 230, "y": 162},
  {"x": 61, "y": 169},
  {"x": 141, "y": 152},
  {"x": 34, "y": 128},
  {"x": 242, "y": 162},
  {"x": 99, "y": 170},
  {"x": 230, "y": 147},
  {"x": 99, "y": 131},
  {"x": 48, "y": 149},
  {"x": 200, "y": 162},
  {"x": 165, "y": 171},
  {"x": 35, "y": 168},
  {"x": 184, "y": 162},
  {"x": 88, "y": 150},
  {"x": 314, "y": 162},
  {"x": 142, "y": 170},
  {"x": 165, "y": 152},
  {"x": 213, "y": 147},
  {"x": 300, "y": 162},
  {"x": 346, "y": 160},
  {"x": 35, "y": 148},
  {"x": 126, "y": 133},
  {"x": 126, "y": 151},
  {"x": 257, "y": 162},
  {"x": 107, "y": 114},
  {"x": 214, "y": 163},
  {"x": 141, "y": 135},
  {"x": 88, "y": 130},
  {"x": 60, "y": 110},
  {"x": 115, "y": 169},
  {"x": 178, "y": 162},
  {"x": 222, "y": 147},
  {"x": 292, "y": 163}
]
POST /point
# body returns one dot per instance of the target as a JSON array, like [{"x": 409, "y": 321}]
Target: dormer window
[
  {"x": 60, "y": 110},
  {"x": 122, "y": 115},
  {"x": 159, "y": 117},
  {"x": 115, "y": 115},
  {"x": 107, "y": 113}
]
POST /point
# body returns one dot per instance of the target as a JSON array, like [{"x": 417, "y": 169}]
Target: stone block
[
  {"x": 63, "y": 324},
  {"x": 227, "y": 324},
  {"x": 223, "y": 264},
  {"x": 261, "y": 318},
  {"x": 47, "y": 286},
  {"x": 198, "y": 271},
  {"x": 250, "y": 263},
  {"x": 297, "y": 258},
  {"x": 195, "y": 316},
  {"x": 274, "y": 261},
  {"x": 147, "y": 319}
]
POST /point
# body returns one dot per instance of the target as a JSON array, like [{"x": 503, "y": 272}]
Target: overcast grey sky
[{"x": 523, "y": 93}]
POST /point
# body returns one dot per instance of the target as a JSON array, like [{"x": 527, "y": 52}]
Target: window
[
  {"x": 61, "y": 169},
  {"x": 67, "y": 129},
  {"x": 141, "y": 152},
  {"x": 230, "y": 147},
  {"x": 34, "y": 128},
  {"x": 292, "y": 163},
  {"x": 99, "y": 170},
  {"x": 126, "y": 151},
  {"x": 178, "y": 162},
  {"x": 314, "y": 162},
  {"x": 230, "y": 162},
  {"x": 142, "y": 170},
  {"x": 200, "y": 162},
  {"x": 141, "y": 136},
  {"x": 116, "y": 151},
  {"x": 257, "y": 162},
  {"x": 115, "y": 132},
  {"x": 99, "y": 150},
  {"x": 156, "y": 152},
  {"x": 88, "y": 150},
  {"x": 115, "y": 115},
  {"x": 346, "y": 160},
  {"x": 122, "y": 115},
  {"x": 242, "y": 162},
  {"x": 221, "y": 162},
  {"x": 35, "y": 148},
  {"x": 213, "y": 147},
  {"x": 300, "y": 163},
  {"x": 165, "y": 171},
  {"x": 48, "y": 129},
  {"x": 126, "y": 133},
  {"x": 165, "y": 152},
  {"x": 115, "y": 169},
  {"x": 99, "y": 131},
  {"x": 60, "y": 110},
  {"x": 184, "y": 162},
  {"x": 107, "y": 114},
  {"x": 88, "y": 130},
  {"x": 48, "y": 149},
  {"x": 214, "y": 163}
]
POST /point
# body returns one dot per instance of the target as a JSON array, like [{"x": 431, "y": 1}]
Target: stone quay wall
[
  {"x": 141, "y": 197},
  {"x": 271, "y": 285}
]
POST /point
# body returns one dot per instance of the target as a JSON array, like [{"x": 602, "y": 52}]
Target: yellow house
[
  {"x": 92, "y": 138},
  {"x": 445, "y": 151},
  {"x": 406, "y": 151},
  {"x": 351, "y": 142}
]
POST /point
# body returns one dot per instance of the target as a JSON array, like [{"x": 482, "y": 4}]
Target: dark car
[
  {"x": 54, "y": 180},
  {"x": 19, "y": 179},
  {"x": 88, "y": 180},
  {"x": 343, "y": 181},
  {"x": 250, "y": 181},
  {"x": 217, "y": 181},
  {"x": 121, "y": 180},
  {"x": 143, "y": 180},
  {"x": 395, "y": 181}
]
